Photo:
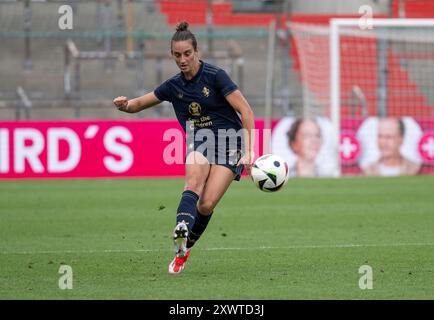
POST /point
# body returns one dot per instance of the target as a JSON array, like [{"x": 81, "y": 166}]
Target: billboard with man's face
[{"x": 390, "y": 146}]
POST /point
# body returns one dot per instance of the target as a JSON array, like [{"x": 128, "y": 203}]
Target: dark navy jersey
[{"x": 202, "y": 99}]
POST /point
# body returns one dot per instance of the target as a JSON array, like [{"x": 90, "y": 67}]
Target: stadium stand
[
  {"x": 159, "y": 16},
  {"x": 413, "y": 9}
]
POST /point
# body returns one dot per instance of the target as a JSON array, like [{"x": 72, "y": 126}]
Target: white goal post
[{"x": 352, "y": 71}]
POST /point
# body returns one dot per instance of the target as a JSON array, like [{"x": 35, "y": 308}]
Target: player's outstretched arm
[
  {"x": 240, "y": 104},
  {"x": 137, "y": 104}
]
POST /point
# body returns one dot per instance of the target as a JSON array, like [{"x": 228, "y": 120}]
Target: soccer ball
[{"x": 269, "y": 173}]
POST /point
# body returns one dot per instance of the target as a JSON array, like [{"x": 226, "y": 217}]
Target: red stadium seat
[
  {"x": 414, "y": 8},
  {"x": 195, "y": 12}
]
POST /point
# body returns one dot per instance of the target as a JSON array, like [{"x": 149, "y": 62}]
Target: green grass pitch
[{"x": 304, "y": 242}]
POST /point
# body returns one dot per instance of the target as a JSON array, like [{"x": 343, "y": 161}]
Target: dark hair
[
  {"x": 400, "y": 123},
  {"x": 293, "y": 130},
  {"x": 183, "y": 33},
  {"x": 401, "y": 127},
  {"x": 292, "y": 133}
]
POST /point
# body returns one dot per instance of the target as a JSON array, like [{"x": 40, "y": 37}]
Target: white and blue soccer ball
[{"x": 269, "y": 173}]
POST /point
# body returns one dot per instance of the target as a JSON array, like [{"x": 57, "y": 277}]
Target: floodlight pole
[
  {"x": 287, "y": 63},
  {"x": 335, "y": 89},
  {"x": 401, "y": 9},
  {"x": 27, "y": 29},
  {"x": 269, "y": 85},
  {"x": 210, "y": 22},
  {"x": 130, "y": 26}
]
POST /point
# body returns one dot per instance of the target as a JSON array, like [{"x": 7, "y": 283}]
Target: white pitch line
[{"x": 228, "y": 249}]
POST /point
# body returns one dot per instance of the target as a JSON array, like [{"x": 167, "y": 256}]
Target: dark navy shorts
[{"x": 227, "y": 157}]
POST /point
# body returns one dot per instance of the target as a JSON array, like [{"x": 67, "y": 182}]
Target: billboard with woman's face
[{"x": 306, "y": 145}]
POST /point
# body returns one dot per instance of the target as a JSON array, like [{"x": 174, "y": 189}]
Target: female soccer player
[{"x": 206, "y": 101}]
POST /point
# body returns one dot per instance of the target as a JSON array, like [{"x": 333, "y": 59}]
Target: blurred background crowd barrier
[
  {"x": 279, "y": 52},
  {"x": 122, "y": 47}
]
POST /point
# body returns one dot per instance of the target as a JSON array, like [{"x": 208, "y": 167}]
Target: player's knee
[
  {"x": 196, "y": 158},
  {"x": 195, "y": 185},
  {"x": 206, "y": 207}
]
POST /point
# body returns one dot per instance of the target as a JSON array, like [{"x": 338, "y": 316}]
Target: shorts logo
[
  {"x": 205, "y": 92},
  {"x": 195, "y": 109}
]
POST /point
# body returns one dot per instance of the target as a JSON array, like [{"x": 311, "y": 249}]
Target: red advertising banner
[
  {"x": 156, "y": 148},
  {"x": 87, "y": 148},
  {"x": 90, "y": 149}
]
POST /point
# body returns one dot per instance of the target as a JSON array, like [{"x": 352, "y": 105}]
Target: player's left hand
[{"x": 246, "y": 160}]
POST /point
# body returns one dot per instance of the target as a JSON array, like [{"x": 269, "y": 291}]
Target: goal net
[{"x": 375, "y": 85}]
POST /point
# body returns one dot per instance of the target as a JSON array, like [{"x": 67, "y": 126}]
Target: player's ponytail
[
  {"x": 183, "y": 33},
  {"x": 182, "y": 26}
]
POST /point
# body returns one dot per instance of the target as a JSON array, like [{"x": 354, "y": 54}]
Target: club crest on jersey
[
  {"x": 180, "y": 95},
  {"x": 195, "y": 109},
  {"x": 205, "y": 92}
]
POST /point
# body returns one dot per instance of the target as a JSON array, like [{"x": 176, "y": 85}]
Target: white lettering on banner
[
  {"x": 428, "y": 147},
  {"x": 31, "y": 152},
  {"x": 91, "y": 131},
  {"x": 123, "y": 151},
  {"x": 347, "y": 148},
  {"x": 56, "y": 165},
  {"x": 173, "y": 152},
  {"x": 4, "y": 150}
]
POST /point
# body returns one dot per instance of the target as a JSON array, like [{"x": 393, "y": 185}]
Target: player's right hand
[{"x": 121, "y": 103}]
